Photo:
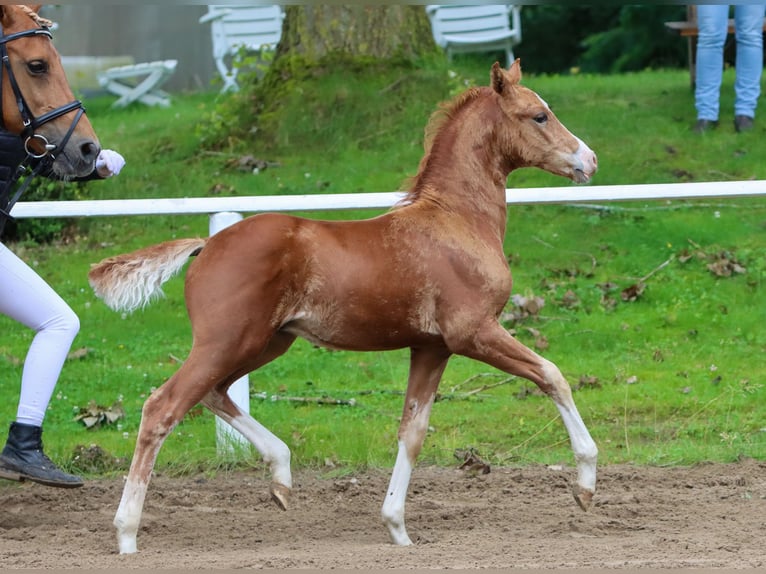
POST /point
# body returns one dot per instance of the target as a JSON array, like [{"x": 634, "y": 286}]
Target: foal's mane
[{"x": 437, "y": 123}]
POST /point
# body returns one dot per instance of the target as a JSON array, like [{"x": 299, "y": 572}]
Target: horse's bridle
[{"x": 29, "y": 121}]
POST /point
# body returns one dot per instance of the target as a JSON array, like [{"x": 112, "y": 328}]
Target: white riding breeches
[{"x": 28, "y": 299}]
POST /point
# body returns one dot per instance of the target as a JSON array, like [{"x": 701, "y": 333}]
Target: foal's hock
[{"x": 429, "y": 275}]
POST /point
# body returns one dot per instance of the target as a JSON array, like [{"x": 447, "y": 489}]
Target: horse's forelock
[{"x": 39, "y": 20}]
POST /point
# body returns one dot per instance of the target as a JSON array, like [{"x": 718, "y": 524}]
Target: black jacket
[{"x": 12, "y": 154}]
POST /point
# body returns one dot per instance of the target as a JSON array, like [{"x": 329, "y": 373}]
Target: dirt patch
[{"x": 708, "y": 516}]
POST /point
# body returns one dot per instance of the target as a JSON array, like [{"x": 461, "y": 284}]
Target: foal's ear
[{"x": 502, "y": 79}]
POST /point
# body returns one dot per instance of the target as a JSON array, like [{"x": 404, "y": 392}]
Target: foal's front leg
[
  {"x": 493, "y": 345},
  {"x": 426, "y": 368}
]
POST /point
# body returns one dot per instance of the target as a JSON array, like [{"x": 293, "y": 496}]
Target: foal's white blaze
[
  {"x": 587, "y": 159},
  {"x": 584, "y": 157}
]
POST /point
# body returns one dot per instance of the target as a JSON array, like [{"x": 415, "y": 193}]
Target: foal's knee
[{"x": 554, "y": 384}]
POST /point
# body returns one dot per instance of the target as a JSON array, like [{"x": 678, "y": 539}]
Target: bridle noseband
[{"x": 29, "y": 121}]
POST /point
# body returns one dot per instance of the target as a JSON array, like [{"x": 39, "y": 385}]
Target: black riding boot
[{"x": 23, "y": 459}]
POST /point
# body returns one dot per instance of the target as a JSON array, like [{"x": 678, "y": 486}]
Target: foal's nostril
[{"x": 89, "y": 151}]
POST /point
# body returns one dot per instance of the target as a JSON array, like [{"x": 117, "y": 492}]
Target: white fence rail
[
  {"x": 226, "y": 211},
  {"x": 245, "y": 204}
]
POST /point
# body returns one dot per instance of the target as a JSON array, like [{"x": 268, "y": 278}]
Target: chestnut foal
[{"x": 430, "y": 274}]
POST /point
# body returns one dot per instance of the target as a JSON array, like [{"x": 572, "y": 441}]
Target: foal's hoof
[
  {"x": 583, "y": 497},
  {"x": 280, "y": 494}
]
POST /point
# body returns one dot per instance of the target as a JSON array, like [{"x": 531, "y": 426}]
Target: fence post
[{"x": 226, "y": 437}]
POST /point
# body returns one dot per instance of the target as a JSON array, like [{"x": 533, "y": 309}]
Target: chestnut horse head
[
  {"x": 37, "y": 102},
  {"x": 535, "y": 137},
  {"x": 495, "y": 129}
]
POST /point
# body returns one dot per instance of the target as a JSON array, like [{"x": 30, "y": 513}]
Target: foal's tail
[{"x": 127, "y": 282}]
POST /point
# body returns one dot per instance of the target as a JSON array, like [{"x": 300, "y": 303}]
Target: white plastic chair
[
  {"x": 233, "y": 27},
  {"x": 126, "y": 82},
  {"x": 479, "y": 28}
]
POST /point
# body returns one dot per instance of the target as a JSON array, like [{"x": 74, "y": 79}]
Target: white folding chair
[
  {"x": 236, "y": 26},
  {"x": 476, "y": 28},
  {"x": 139, "y": 82}
]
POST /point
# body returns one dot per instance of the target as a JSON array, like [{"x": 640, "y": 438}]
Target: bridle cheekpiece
[{"x": 29, "y": 121}]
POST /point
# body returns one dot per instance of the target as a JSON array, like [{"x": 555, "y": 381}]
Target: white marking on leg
[
  {"x": 583, "y": 445},
  {"x": 128, "y": 515},
  {"x": 411, "y": 435},
  {"x": 393, "y": 506},
  {"x": 273, "y": 450}
]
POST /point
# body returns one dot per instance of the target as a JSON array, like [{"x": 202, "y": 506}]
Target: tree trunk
[
  {"x": 380, "y": 32},
  {"x": 361, "y": 43}
]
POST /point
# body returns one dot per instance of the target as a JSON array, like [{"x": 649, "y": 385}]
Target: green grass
[{"x": 675, "y": 377}]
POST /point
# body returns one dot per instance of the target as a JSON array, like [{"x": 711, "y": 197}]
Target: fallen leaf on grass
[
  {"x": 472, "y": 463},
  {"x": 94, "y": 415},
  {"x": 523, "y": 307},
  {"x": 80, "y": 353},
  {"x": 250, "y": 163},
  {"x": 724, "y": 265},
  {"x": 220, "y": 188},
  {"x": 570, "y": 300},
  {"x": 587, "y": 382},
  {"x": 633, "y": 292},
  {"x": 541, "y": 341}
]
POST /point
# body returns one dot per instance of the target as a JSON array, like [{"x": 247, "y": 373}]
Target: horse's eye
[
  {"x": 37, "y": 67},
  {"x": 541, "y": 118}
]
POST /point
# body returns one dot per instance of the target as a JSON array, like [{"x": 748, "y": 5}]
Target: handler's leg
[{"x": 26, "y": 298}]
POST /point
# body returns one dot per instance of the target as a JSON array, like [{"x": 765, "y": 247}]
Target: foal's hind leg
[
  {"x": 162, "y": 411},
  {"x": 426, "y": 368},
  {"x": 274, "y": 452},
  {"x": 493, "y": 345}
]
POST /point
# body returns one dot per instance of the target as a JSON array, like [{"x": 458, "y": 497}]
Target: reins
[{"x": 31, "y": 123}]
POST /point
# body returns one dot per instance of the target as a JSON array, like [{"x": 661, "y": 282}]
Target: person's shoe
[
  {"x": 743, "y": 123},
  {"x": 23, "y": 459},
  {"x": 705, "y": 125}
]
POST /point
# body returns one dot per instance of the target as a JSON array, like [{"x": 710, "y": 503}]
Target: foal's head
[
  {"x": 35, "y": 67},
  {"x": 533, "y": 136}
]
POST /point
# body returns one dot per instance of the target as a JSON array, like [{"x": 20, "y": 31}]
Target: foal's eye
[
  {"x": 541, "y": 118},
  {"x": 37, "y": 67}
]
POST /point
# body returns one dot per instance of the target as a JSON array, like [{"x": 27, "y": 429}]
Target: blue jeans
[{"x": 712, "y": 22}]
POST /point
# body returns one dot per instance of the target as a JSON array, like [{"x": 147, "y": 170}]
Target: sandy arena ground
[{"x": 709, "y": 516}]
